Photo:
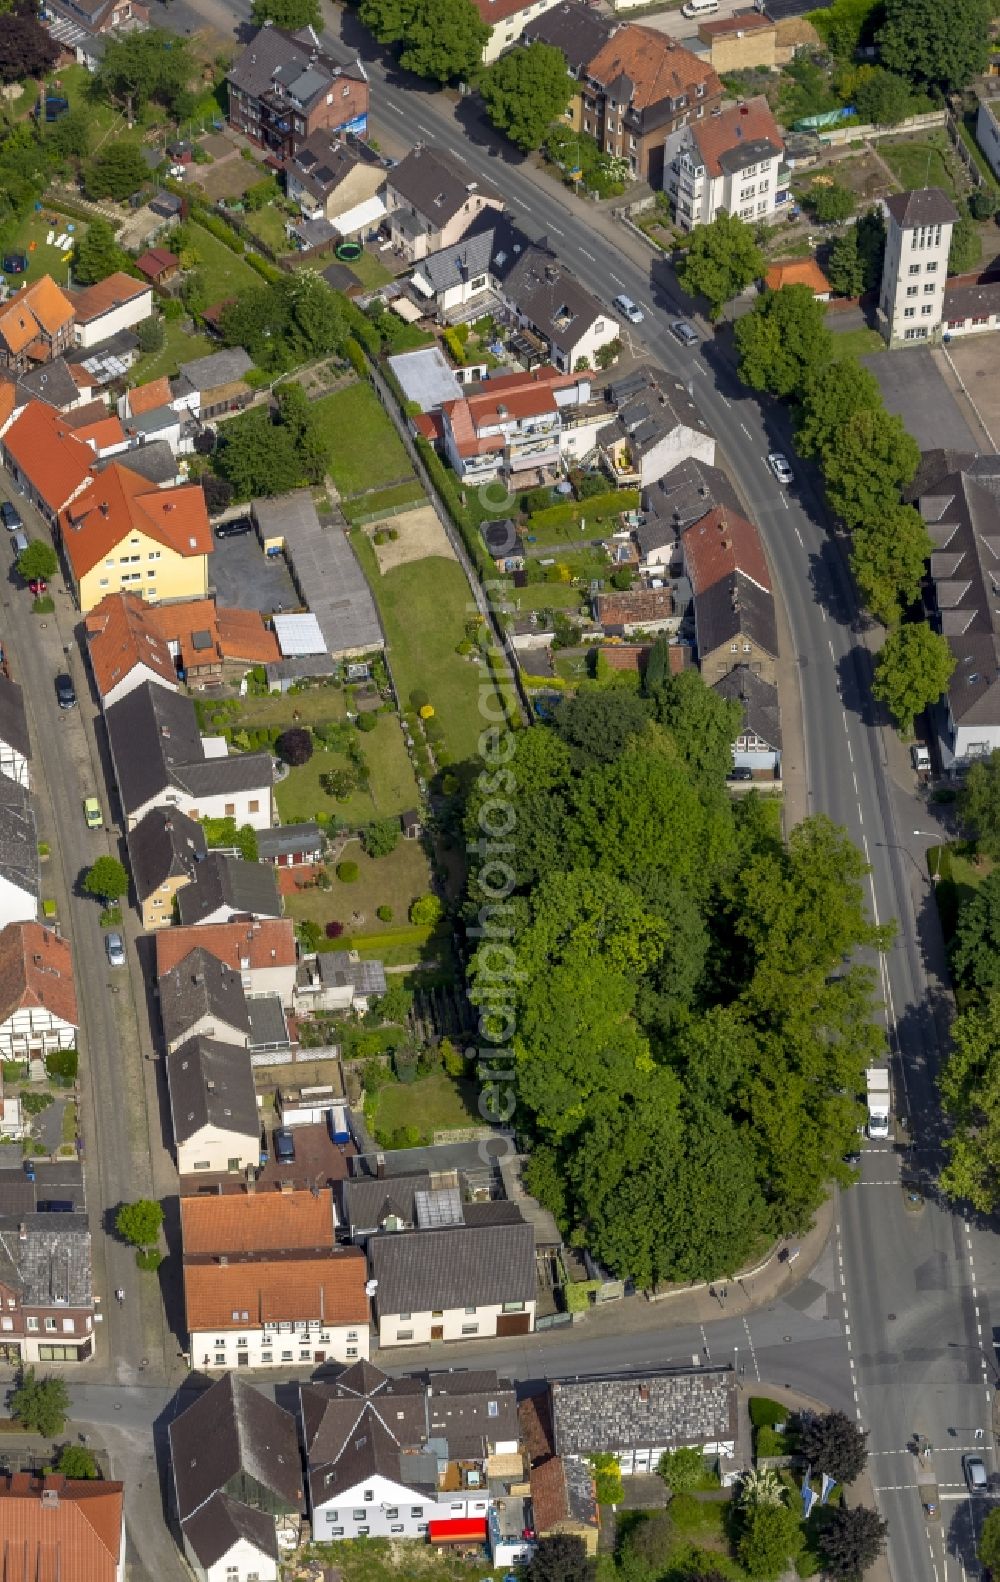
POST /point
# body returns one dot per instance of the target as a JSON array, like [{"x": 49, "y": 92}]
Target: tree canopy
[
  {"x": 722, "y": 259},
  {"x": 771, "y": 1539},
  {"x": 988, "y": 1552},
  {"x": 525, "y": 91},
  {"x": 38, "y": 561},
  {"x": 970, "y": 1077},
  {"x": 831, "y": 1443},
  {"x": 937, "y": 48},
  {"x": 912, "y": 670},
  {"x": 888, "y": 558},
  {"x": 26, "y": 48},
  {"x": 783, "y": 342},
  {"x": 106, "y": 879},
  {"x": 976, "y": 946},
  {"x": 116, "y": 171},
  {"x": 851, "y": 1542},
  {"x": 831, "y": 203},
  {"x": 871, "y": 461},
  {"x": 979, "y": 804},
  {"x": 280, "y": 325},
  {"x": 142, "y": 66},
  {"x": 882, "y": 97},
  {"x": 832, "y": 394},
  {"x": 966, "y": 248},
  {"x": 290, "y": 14},
  {"x": 40, "y": 1404},
  {"x": 441, "y": 39},
  {"x": 97, "y": 254},
  {"x": 139, "y": 1223}
]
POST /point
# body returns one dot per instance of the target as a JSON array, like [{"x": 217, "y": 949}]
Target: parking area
[
  {"x": 243, "y": 576},
  {"x": 913, "y": 386},
  {"x": 975, "y": 359}
]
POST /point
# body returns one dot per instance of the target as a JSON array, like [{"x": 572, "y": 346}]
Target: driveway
[
  {"x": 242, "y": 575},
  {"x": 912, "y": 386}
]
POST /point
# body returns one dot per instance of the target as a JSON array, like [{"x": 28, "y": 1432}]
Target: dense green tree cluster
[
  {"x": 284, "y": 324},
  {"x": 440, "y": 39},
  {"x": 855, "y": 262},
  {"x": 722, "y": 259},
  {"x": 937, "y": 48},
  {"x": 690, "y": 1033},
  {"x": 265, "y": 453},
  {"x": 525, "y": 91},
  {"x": 142, "y": 68}
]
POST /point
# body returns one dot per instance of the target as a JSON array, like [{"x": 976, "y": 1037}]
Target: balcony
[{"x": 623, "y": 464}]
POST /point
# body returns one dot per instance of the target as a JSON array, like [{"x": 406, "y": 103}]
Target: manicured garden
[
  {"x": 29, "y": 237},
  {"x": 392, "y": 882},
  {"x": 180, "y": 345},
  {"x": 390, "y": 788},
  {"x": 365, "y": 450},
  {"x": 435, "y": 1103}
]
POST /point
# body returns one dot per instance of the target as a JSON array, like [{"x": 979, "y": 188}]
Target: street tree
[
  {"x": 988, "y": 1552},
  {"x": 883, "y": 98},
  {"x": 831, "y": 203},
  {"x": 525, "y": 91},
  {"x": 871, "y": 460},
  {"x": 722, "y": 259},
  {"x": 844, "y": 267},
  {"x": 888, "y": 559},
  {"x": 116, "y": 171},
  {"x": 683, "y": 1469},
  {"x": 976, "y": 947},
  {"x": 140, "y": 1223},
  {"x": 966, "y": 248},
  {"x": 969, "y": 1083},
  {"x": 290, "y": 14},
  {"x": 39, "y": 562},
  {"x": 106, "y": 879},
  {"x": 783, "y": 342},
  {"x": 771, "y": 1540},
  {"x": 831, "y": 396},
  {"x": 851, "y": 1541},
  {"x": 979, "y": 804},
  {"x": 939, "y": 49},
  {"x": 380, "y": 837},
  {"x": 831, "y": 1443},
  {"x": 26, "y": 48},
  {"x": 295, "y": 746},
  {"x": 76, "y": 1461},
  {"x": 97, "y": 254},
  {"x": 911, "y": 672},
  {"x": 441, "y": 39},
  {"x": 560, "y": 1558},
  {"x": 40, "y": 1405}
]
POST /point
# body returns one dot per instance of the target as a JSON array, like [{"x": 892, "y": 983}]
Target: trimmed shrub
[
  {"x": 355, "y": 356},
  {"x": 347, "y": 872},
  {"x": 384, "y": 914},
  {"x": 367, "y": 722},
  {"x": 334, "y": 929}
]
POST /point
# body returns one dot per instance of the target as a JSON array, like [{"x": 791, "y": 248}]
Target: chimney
[
  {"x": 50, "y": 1498},
  {"x": 380, "y": 1167},
  {"x": 22, "y": 1231},
  {"x": 105, "y": 508},
  {"x": 199, "y": 978},
  {"x": 223, "y": 1259}
]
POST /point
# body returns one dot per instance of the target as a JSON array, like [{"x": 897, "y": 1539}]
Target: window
[
  {"x": 368, "y": 1496},
  {"x": 154, "y": 554},
  {"x": 469, "y": 1311},
  {"x": 982, "y": 318},
  {"x": 437, "y": 1312},
  {"x": 470, "y": 1329},
  {"x": 232, "y": 1574},
  {"x": 69, "y": 1325},
  {"x": 928, "y": 307},
  {"x": 748, "y": 648},
  {"x": 416, "y": 1511},
  {"x": 914, "y": 269},
  {"x": 404, "y": 1334},
  {"x": 397, "y": 1529},
  {"x": 956, "y": 324},
  {"x": 50, "y": 1326},
  {"x": 405, "y": 1316},
  {"x": 493, "y": 1409},
  {"x": 911, "y": 291},
  {"x": 352, "y": 1351},
  {"x": 336, "y": 1532},
  {"x": 734, "y": 648},
  {"x": 286, "y": 1356},
  {"x": 909, "y": 313},
  {"x": 513, "y": 1307},
  {"x": 363, "y": 1532},
  {"x": 230, "y": 809},
  {"x": 392, "y": 1513},
  {"x": 930, "y": 290},
  {"x": 932, "y": 269},
  {"x": 6, "y": 1323},
  {"x": 358, "y": 1516}
]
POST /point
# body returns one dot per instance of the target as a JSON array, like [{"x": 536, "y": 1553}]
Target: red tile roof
[
  {"x": 266, "y": 1222},
  {"x": 493, "y": 11},
  {"x": 102, "y": 433},
  {"x": 155, "y": 261},
  {"x": 36, "y": 973},
  {"x": 657, "y": 67},
  {"x": 74, "y": 1535},
  {"x": 276, "y": 1290},
  {"x": 37, "y": 309},
  {"x": 55, "y": 461},
  {"x": 742, "y": 22},
  {"x": 233, "y": 634},
  {"x": 94, "y": 301},
  {"x": 719, "y": 544},
  {"x": 119, "y": 502},
  {"x": 798, "y": 272},
  {"x": 511, "y": 398},
  {"x": 146, "y": 398},
  {"x": 121, "y": 635},
  {"x": 269, "y": 942},
  {"x": 635, "y": 656},
  {"x": 744, "y": 123}
]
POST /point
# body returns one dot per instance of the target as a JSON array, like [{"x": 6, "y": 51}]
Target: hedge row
[
  {"x": 573, "y": 510},
  {"x": 356, "y": 357},
  {"x": 218, "y": 228},
  {"x": 362, "y": 328},
  {"x": 269, "y": 272}
]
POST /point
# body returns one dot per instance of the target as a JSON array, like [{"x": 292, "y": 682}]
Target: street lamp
[{"x": 931, "y": 835}]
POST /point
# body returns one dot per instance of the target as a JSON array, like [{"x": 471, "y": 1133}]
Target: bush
[
  {"x": 149, "y": 1259},
  {"x": 569, "y": 511},
  {"x": 384, "y": 914},
  {"x": 61, "y": 1066},
  {"x": 367, "y": 722},
  {"x": 356, "y": 357},
  {"x": 347, "y": 872},
  {"x": 982, "y": 204},
  {"x": 419, "y": 699},
  {"x": 172, "y": 309},
  {"x": 765, "y": 1413},
  {"x": 151, "y": 335},
  {"x": 426, "y": 911},
  {"x": 608, "y": 1486},
  {"x": 295, "y": 746},
  {"x": 453, "y": 1060},
  {"x": 333, "y": 929}
]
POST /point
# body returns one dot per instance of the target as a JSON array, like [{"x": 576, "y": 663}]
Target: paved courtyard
[
  {"x": 243, "y": 576},
  {"x": 914, "y": 386},
  {"x": 974, "y": 361}
]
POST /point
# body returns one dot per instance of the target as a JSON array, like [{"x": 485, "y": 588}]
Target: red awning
[{"x": 467, "y": 1530}]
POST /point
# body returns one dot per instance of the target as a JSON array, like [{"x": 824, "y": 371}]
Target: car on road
[
  {"x": 684, "y": 332},
  {"x": 234, "y": 529},
  {"x": 10, "y": 516},
  {"x": 779, "y": 466},
  {"x": 115, "y": 948},
  {"x": 284, "y": 1146},
  {"x": 628, "y": 309},
  {"x": 93, "y": 817},
  {"x": 975, "y": 1474},
  {"x": 65, "y": 692}
]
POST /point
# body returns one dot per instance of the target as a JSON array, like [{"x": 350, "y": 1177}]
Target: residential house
[
  {"x": 915, "y": 265},
  {"x": 100, "y": 429},
  {"x": 125, "y": 648},
  {"x": 36, "y": 325},
  {"x": 432, "y": 199},
  {"x": 237, "y": 1477},
  {"x": 656, "y": 427},
  {"x": 415, "y": 1457},
  {"x": 210, "y": 643},
  {"x": 637, "y": 1417},
  {"x": 225, "y": 887},
  {"x": 562, "y": 1492},
  {"x": 213, "y": 1107},
  {"x": 164, "y": 849},
  {"x": 641, "y": 86},
  {"x": 47, "y": 1305},
  {"x": 472, "y": 1278},
  {"x": 463, "y": 281},
  {"x": 46, "y": 460},
  {"x": 799, "y": 272},
  {"x": 83, "y": 26},
  {"x": 20, "y": 885},
  {"x": 263, "y": 953},
  {"x": 159, "y": 757},
  {"x": 38, "y": 1010},
  {"x": 122, "y": 535},
  {"x": 735, "y": 623},
  {"x": 337, "y": 980},
  {"x": 374, "y": 1204},
  {"x": 682, "y": 496},
  {"x": 66, "y": 1527},
  {"x": 579, "y": 32},
  {"x": 726, "y": 161},
  {"x": 758, "y": 745},
  {"x": 327, "y": 575},
  {"x": 203, "y": 997},
  {"x": 118, "y": 303},
  {"x": 988, "y": 131},
  {"x": 971, "y": 308},
  {"x": 266, "y": 1286},
  {"x": 283, "y": 87},
  {"x": 518, "y": 423},
  {"x": 15, "y": 743},
  {"x": 291, "y": 845},
  {"x": 336, "y": 180},
  {"x": 958, "y": 496},
  {"x": 140, "y": 399},
  {"x": 637, "y": 610},
  {"x": 213, "y": 385},
  {"x": 542, "y": 296},
  {"x": 739, "y": 42},
  {"x": 58, "y": 383},
  {"x": 507, "y": 21},
  {"x": 159, "y": 266}
]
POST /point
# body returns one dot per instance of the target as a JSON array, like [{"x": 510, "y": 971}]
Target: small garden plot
[
  {"x": 364, "y": 449},
  {"x": 411, "y": 535},
  {"x": 180, "y": 345},
  {"x": 31, "y": 237},
  {"x": 387, "y": 789},
  {"x": 224, "y": 272},
  {"x": 436, "y": 1103},
  {"x": 395, "y": 881},
  {"x": 925, "y": 161}
]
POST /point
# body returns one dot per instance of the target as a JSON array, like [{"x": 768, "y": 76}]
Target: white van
[{"x": 699, "y": 8}]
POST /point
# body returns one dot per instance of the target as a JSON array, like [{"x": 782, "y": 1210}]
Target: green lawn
[
  {"x": 365, "y": 450},
  {"x": 424, "y": 607},
  {"x": 315, "y": 706},
  {"x": 179, "y": 346},
  {"x": 920, "y": 162},
  {"x": 370, "y": 271},
  {"x": 409, "y": 493},
  {"x": 860, "y": 342},
  {"x": 372, "y": 1560},
  {"x": 269, "y": 224},
  {"x": 29, "y": 237},
  {"x": 224, "y": 272},
  {"x": 391, "y": 789},
  {"x": 547, "y": 596},
  {"x": 436, "y": 1103},
  {"x": 396, "y": 881}
]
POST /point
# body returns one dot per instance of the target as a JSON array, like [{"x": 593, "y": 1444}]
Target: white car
[
  {"x": 779, "y": 466},
  {"x": 628, "y": 309}
]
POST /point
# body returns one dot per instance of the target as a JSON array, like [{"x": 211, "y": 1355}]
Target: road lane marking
[
  {"x": 829, "y": 644},
  {"x": 822, "y": 613},
  {"x": 855, "y": 779},
  {"x": 784, "y": 500},
  {"x": 747, "y": 433},
  {"x": 617, "y": 281},
  {"x": 753, "y": 1354},
  {"x": 798, "y": 535},
  {"x": 583, "y": 250},
  {"x": 850, "y": 750},
  {"x": 698, "y": 368},
  {"x": 725, "y": 399},
  {"x": 397, "y": 108},
  {"x": 557, "y": 231},
  {"x": 421, "y": 128}
]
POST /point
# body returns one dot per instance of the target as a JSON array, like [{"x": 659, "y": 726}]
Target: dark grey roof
[
  {"x": 651, "y": 405},
  {"x": 336, "y": 968},
  {"x": 219, "y": 368},
  {"x": 437, "y": 184},
  {"x": 369, "y": 1202},
  {"x": 684, "y": 1406},
  {"x": 47, "y": 1258},
  {"x": 222, "y": 1522},
  {"x": 13, "y": 718},
  {"x": 759, "y": 701},
  {"x": 222, "y": 881},
  {"x": 235, "y": 772},
  {"x": 58, "y": 1183},
  {"x": 18, "y": 838},
  {"x": 422, "y": 1271},
  {"x": 287, "y": 839},
  {"x": 154, "y": 461},
  {"x": 52, "y": 383},
  {"x": 578, "y": 30},
  {"x": 291, "y": 66},
  {"x": 551, "y": 299},
  {"x": 472, "y": 1159},
  {"x": 682, "y": 496},
  {"x": 268, "y": 1028},
  {"x": 198, "y": 986},
  {"x": 324, "y": 161},
  {"x": 165, "y": 844},
  {"x": 491, "y": 246},
  {"x": 961, "y": 302},
  {"x": 155, "y": 744},
  {"x": 755, "y": 151},
  {"x": 928, "y": 206},
  {"x": 232, "y": 1430},
  {"x": 735, "y": 606},
  {"x": 326, "y": 570},
  {"x": 211, "y": 1084}
]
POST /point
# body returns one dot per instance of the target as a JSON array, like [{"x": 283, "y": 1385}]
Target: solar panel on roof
[
  {"x": 441, "y": 1207},
  {"x": 201, "y": 640}
]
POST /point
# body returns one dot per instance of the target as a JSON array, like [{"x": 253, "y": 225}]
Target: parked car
[
  {"x": 65, "y": 692},
  {"x": 284, "y": 1146},
  {"x": 234, "y": 529},
  {"x": 93, "y": 817},
  {"x": 628, "y": 309},
  {"x": 15, "y": 263},
  {"x": 115, "y": 947},
  {"x": 10, "y": 516},
  {"x": 975, "y": 1474},
  {"x": 779, "y": 466},
  {"x": 740, "y": 774},
  {"x": 684, "y": 332}
]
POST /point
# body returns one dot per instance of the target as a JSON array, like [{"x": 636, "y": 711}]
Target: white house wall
[
  {"x": 239, "y": 1564},
  {"x": 34, "y": 1029},
  {"x": 13, "y": 765},
  {"x": 681, "y": 444},
  {"x": 232, "y": 804},
  {"x": 16, "y": 905},
  {"x": 212, "y": 1150},
  {"x": 298, "y": 1345},
  {"x": 120, "y": 318},
  {"x": 134, "y": 678},
  {"x": 210, "y": 1027},
  {"x": 456, "y": 1324},
  {"x": 381, "y": 1508}
]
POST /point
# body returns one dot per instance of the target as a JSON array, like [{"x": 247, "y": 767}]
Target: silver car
[
  {"x": 115, "y": 948},
  {"x": 628, "y": 309},
  {"x": 684, "y": 332},
  {"x": 779, "y": 466}
]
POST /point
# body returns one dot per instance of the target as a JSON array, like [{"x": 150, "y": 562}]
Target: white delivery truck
[{"x": 878, "y": 1101}]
